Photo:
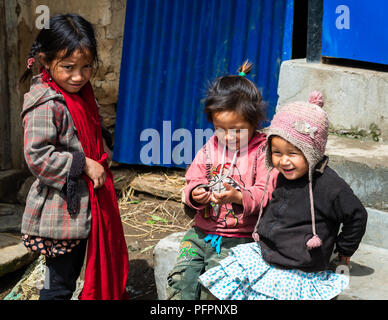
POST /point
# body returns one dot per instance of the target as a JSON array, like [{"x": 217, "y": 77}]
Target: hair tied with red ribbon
[{"x": 30, "y": 62}]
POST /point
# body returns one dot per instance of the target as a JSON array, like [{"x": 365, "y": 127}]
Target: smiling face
[
  {"x": 288, "y": 159},
  {"x": 73, "y": 72},
  {"x": 232, "y": 128}
]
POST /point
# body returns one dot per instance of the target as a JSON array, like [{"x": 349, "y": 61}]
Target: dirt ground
[
  {"x": 145, "y": 223},
  {"x": 146, "y": 219}
]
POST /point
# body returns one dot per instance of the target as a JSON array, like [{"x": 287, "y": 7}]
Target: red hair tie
[{"x": 30, "y": 62}]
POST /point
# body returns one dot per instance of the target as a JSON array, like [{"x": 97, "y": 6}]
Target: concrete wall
[
  {"x": 355, "y": 98},
  {"x": 107, "y": 16}
]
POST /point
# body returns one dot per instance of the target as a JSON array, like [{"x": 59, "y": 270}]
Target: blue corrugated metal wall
[{"x": 173, "y": 48}]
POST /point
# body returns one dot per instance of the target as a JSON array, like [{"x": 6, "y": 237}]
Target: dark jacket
[{"x": 285, "y": 226}]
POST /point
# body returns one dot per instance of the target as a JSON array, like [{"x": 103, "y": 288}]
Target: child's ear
[{"x": 42, "y": 60}]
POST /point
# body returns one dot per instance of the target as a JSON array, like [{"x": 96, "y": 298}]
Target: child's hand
[
  {"x": 108, "y": 151},
  {"x": 95, "y": 172},
  {"x": 231, "y": 195},
  {"x": 200, "y": 195},
  {"x": 343, "y": 260}
]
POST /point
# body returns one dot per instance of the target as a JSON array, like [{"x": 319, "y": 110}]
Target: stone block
[
  {"x": 368, "y": 275},
  {"x": 10, "y": 182},
  {"x": 376, "y": 229},
  {"x": 354, "y": 97},
  {"x": 364, "y": 166},
  {"x": 10, "y": 217},
  {"x": 13, "y": 257},
  {"x": 24, "y": 189},
  {"x": 165, "y": 255}
]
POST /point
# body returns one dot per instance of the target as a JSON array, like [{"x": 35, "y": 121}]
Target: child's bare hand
[
  {"x": 230, "y": 195},
  {"x": 200, "y": 195},
  {"x": 108, "y": 151},
  {"x": 95, "y": 172},
  {"x": 343, "y": 260}
]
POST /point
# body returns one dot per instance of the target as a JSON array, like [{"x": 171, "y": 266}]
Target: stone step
[
  {"x": 364, "y": 166},
  {"x": 355, "y": 98},
  {"x": 376, "y": 229},
  {"x": 13, "y": 253},
  {"x": 368, "y": 274},
  {"x": 10, "y": 183},
  {"x": 368, "y": 270},
  {"x": 165, "y": 255},
  {"x": 10, "y": 217}
]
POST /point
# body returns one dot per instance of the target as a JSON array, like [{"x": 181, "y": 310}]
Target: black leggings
[{"x": 62, "y": 273}]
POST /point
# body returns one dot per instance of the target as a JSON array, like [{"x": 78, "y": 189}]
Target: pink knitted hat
[
  {"x": 303, "y": 124},
  {"x": 306, "y": 126}
]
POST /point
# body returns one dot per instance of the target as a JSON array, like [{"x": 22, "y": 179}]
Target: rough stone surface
[
  {"x": 368, "y": 275},
  {"x": 25, "y": 188},
  {"x": 165, "y": 255},
  {"x": 368, "y": 269},
  {"x": 361, "y": 93},
  {"x": 10, "y": 217},
  {"x": 364, "y": 166},
  {"x": 15, "y": 256},
  {"x": 28, "y": 287},
  {"x": 376, "y": 229},
  {"x": 10, "y": 182}
]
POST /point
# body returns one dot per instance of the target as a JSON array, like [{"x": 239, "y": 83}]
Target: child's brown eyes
[
  {"x": 71, "y": 67},
  {"x": 291, "y": 153}
]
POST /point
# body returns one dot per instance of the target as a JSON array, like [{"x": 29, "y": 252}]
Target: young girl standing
[
  {"x": 297, "y": 231},
  {"x": 72, "y": 199},
  {"x": 225, "y": 183}
]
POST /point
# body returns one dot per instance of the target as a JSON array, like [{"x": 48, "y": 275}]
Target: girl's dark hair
[
  {"x": 236, "y": 93},
  {"x": 69, "y": 32}
]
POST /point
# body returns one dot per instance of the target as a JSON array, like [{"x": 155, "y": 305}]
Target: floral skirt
[
  {"x": 49, "y": 247},
  {"x": 244, "y": 275}
]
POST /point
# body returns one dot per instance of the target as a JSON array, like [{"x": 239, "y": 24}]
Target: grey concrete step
[
  {"x": 368, "y": 274},
  {"x": 165, "y": 255},
  {"x": 376, "y": 229},
  {"x": 13, "y": 253},
  {"x": 355, "y": 98},
  {"x": 364, "y": 166},
  {"x": 368, "y": 270}
]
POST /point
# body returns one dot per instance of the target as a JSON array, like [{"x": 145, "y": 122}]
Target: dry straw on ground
[{"x": 153, "y": 218}]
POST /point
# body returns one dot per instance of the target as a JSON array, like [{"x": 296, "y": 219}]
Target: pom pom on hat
[
  {"x": 316, "y": 97},
  {"x": 256, "y": 236}
]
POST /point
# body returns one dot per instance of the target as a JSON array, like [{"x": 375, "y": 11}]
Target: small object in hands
[{"x": 205, "y": 186}]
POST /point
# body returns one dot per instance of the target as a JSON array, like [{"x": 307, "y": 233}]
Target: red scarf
[{"x": 107, "y": 256}]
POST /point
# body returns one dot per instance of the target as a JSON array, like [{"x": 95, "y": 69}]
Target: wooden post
[
  {"x": 5, "y": 147},
  {"x": 314, "y": 31}
]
